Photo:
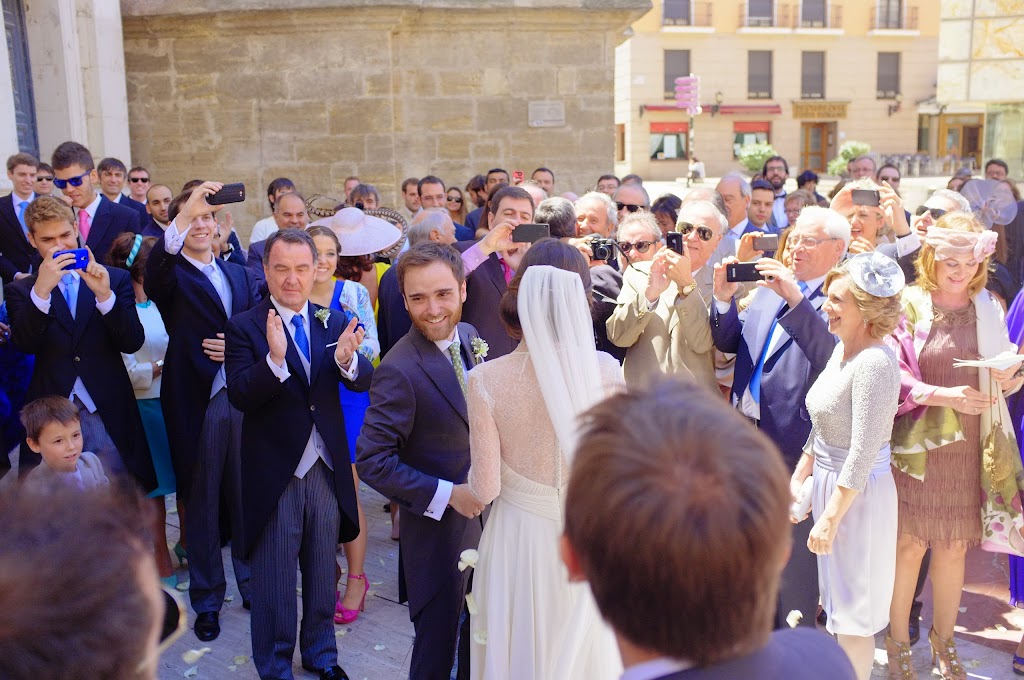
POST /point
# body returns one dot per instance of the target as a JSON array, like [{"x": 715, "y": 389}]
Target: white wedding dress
[{"x": 531, "y": 622}]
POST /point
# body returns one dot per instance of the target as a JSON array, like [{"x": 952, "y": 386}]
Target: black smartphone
[
  {"x": 742, "y": 271},
  {"x": 81, "y": 258},
  {"x": 529, "y": 232},
  {"x": 766, "y": 243},
  {"x": 674, "y": 240},
  {"x": 869, "y": 197},
  {"x": 229, "y": 193}
]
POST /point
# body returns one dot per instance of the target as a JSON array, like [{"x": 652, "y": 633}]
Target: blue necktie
[
  {"x": 755, "y": 377},
  {"x": 21, "y": 216},
  {"x": 301, "y": 341},
  {"x": 69, "y": 293}
]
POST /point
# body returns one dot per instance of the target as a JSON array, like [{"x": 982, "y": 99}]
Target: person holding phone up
[
  {"x": 76, "y": 317},
  {"x": 661, "y": 313}
]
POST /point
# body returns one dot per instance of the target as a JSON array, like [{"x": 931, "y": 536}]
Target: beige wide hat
[{"x": 359, "y": 233}]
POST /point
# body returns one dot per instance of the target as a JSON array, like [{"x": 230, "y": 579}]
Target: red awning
[
  {"x": 670, "y": 128},
  {"x": 727, "y": 109},
  {"x": 751, "y": 126}
]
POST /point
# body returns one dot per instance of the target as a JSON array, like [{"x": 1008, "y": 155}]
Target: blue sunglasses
[{"x": 73, "y": 181}]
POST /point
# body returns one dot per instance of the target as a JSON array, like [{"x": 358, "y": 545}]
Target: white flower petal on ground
[
  {"x": 793, "y": 618},
  {"x": 471, "y": 604},
  {"x": 229, "y": 598},
  {"x": 241, "y": 660},
  {"x": 379, "y": 648},
  {"x": 192, "y": 672},
  {"x": 194, "y": 655}
]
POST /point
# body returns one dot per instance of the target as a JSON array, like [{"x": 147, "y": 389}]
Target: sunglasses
[
  {"x": 703, "y": 233},
  {"x": 627, "y": 206},
  {"x": 455, "y": 199},
  {"x": 44, "y": 178},
  {"x": 138, "y": 179},
  {"x": 641, "y": 246},
  {"x": 936, "y": 212},
  {"x": 73, "y": 181}
]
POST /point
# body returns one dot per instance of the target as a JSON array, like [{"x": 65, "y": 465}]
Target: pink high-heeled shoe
[{"x": 343, "y": 615}]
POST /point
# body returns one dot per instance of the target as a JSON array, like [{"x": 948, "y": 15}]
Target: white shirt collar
[
  {"x": 287, "y": 314},
  {"x": 656, "y": 668},
  {"x": 737, "y": 231},
  {"x": 92, "y": 207},
  {"x": 443, "y": 345},
  {"x": 18, "y": 199},
  {"x": 813, "y": 285},
  {"x": 196, "y": 263}
]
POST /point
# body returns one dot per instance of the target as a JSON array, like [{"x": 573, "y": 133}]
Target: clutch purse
[{"x": 798, "y": 511}]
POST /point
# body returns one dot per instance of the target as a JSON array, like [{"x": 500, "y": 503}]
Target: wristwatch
[{"x": 688, "y": 288}]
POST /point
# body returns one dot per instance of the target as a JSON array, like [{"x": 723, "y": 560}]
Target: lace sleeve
[{"x": 484, "y": 443}]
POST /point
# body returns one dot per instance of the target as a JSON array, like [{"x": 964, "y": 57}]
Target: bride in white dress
[{"x": 530, "y": 621}]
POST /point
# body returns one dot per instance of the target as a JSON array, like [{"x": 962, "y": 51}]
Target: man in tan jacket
[{"x": 661, "y": 314}]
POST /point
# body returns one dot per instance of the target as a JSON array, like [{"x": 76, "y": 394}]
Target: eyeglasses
[
  {"x": 703, "y": 233},
  {"x": 807, "y": 242},
  {"x": 73, "y": 181},
  {"x": 627, "y": 206},
  {"x": 936, "y": 212},
  {"x": 455, "y": 199},
  {"x": 641, "y": 246},
  {"x": 44, "y": 178},
  {"x": 138, "y": 179}
]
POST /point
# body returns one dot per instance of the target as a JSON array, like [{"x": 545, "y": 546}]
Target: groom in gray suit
[{"x": 414, "y": 449}]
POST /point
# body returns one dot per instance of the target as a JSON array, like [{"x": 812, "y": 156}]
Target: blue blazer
[
  {"x": 192, "y": 312},
  {"x": 151, "y": 228},
  {"x": 88, "y": 346},
  {"x": 254, "y": 262},
  {"x": 415, "y": 432},
  {"x": 484, "y": 290},
  {"x": 129, "y": 202},
  {"x": 279, "y": 416},
  {"x": 16, "y": 253},
  {"x": 789, "y": 371},
  {"x": 110, "y": 221},
  {"x": 797, "y": 654},
  {"x": 393, "y": 320}
]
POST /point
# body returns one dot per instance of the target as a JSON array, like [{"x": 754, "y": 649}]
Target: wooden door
[{"x": 814, "y": 146}]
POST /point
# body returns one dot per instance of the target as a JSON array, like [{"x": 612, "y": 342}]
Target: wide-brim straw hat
[{"x": 326, "y": 209}]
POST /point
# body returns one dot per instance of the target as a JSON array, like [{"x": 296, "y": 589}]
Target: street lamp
[{"x": 717, "y": 106}]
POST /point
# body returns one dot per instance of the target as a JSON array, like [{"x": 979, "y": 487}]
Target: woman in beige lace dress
[
  {"x": 938, "y": 433},
  {"x": 528, "y": 620}
]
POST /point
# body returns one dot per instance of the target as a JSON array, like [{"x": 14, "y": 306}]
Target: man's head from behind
[
  {"x": 100, "y": 619},
  {"x": 559, "y": 215},
  {"x": 708, "y": 494},
  {"x": 433, "y": 284},
  {"x": 432, "y": 224}
]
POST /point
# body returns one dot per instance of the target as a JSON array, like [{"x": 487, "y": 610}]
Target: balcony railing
[
  {"x": 793, "y": 16},
  {"x": 894, "y": 21},
  {"x": 686, "y": 13}
]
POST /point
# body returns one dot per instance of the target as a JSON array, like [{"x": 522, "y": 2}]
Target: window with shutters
[
  {"x": 812, "y": 76},
  {"x": 888, "y": 75},
  {"x": 677, "y": 65},
  {"x": 759, "y": 74}
]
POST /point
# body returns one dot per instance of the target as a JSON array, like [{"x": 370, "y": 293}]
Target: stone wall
[{"x": 384, "y": 93}]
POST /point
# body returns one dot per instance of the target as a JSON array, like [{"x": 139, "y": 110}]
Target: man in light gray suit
[
  {"x": 720, "y": 519},
  {"x": 781, "y": 341}
]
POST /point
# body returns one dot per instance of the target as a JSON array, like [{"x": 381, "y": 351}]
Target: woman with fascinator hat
[
  {"x": 953, "y": 447},
  {"x": 853, "y": 495}
]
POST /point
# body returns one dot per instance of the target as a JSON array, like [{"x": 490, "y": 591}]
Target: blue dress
[
  {"x": 353, "y": 297},
  {"x": 1015, "y": 404}
]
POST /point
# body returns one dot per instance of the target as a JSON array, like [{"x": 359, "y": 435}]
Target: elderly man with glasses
[
  {"x": 782, "y": 342},
  {"x": 661, "y": 312}
]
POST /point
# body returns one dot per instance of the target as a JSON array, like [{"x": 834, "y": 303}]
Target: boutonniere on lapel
[
  {"x": 322, "y": 315},
  {"x": 479, "y": 346}
]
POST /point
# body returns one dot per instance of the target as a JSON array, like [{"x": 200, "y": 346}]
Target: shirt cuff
[
  {"x": 41, "y": 304},
  {"x": 105, "y": 307},
  {"x": 280, "y": 373},
  {"x": 439, "y": 502},
  {"x": 908, "y": 244},
  {"x": 472, "y": 258},
  {"x": 173, "y": 239},
  {"x": 352, "y": 372},
  {"x": 722, "y": 307}
]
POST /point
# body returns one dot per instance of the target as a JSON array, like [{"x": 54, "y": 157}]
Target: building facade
[
  {"x": 980, "y": 97},
  {"x": 804, "y": 75}
]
